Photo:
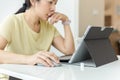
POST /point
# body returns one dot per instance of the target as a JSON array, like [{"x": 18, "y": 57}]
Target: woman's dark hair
[{"x": 25, "y": 6}]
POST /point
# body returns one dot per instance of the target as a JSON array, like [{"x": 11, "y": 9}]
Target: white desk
[{"x": 110, "y": 71}]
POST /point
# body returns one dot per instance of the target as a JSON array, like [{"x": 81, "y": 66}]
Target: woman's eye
[{"x": 50, "y": 2}]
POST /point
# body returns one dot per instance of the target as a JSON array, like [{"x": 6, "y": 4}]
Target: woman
[{"x": 26, "y": 37}]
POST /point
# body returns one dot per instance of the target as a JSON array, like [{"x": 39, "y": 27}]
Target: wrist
[
  {"x": 27, "y": 59},
  {"x": 67, "y": 22}
]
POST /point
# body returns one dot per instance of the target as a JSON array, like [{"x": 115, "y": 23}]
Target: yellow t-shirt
[{"x": 22, "y": 39}]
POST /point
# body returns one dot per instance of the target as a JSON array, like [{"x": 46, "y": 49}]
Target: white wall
[
  {"x": 70, "y": 8},
  {"x": 8, "y": 7}
]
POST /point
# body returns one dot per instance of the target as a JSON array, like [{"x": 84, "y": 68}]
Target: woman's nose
[{"x": 53, "y": 8}]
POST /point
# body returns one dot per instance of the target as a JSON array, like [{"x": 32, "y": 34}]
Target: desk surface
[{"x": 109, "y": 71}]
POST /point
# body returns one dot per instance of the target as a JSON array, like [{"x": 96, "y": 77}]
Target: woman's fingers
[
  {"x": 47, "y": 58},
  {"x": 41, "y": 61},
  {"x": 56, "y": 17},
  {"x": 52, "y": 56}
]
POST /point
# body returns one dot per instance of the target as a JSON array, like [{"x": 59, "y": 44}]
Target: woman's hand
[
  {"x": 43, "y": 57},
  {"x": 58, "y": 17}
]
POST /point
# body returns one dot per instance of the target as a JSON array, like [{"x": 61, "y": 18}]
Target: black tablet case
[{"x": 99, "y": 46}]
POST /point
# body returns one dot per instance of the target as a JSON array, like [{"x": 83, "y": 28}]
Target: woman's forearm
[
  {"x": 12, "y": 58},
  {"x": 68, "y": 41}
]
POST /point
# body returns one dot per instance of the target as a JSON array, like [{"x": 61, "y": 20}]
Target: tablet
[{"x": 95, "y": 48}]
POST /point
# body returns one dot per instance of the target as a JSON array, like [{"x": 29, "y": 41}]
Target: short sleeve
[{"x": 6, "y": 27}]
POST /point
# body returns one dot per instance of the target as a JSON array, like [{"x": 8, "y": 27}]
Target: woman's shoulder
[
  {"x": 12, "y": 17},
  {"x": 11, "y": 20},
  {"x": 18, "y": 17}
]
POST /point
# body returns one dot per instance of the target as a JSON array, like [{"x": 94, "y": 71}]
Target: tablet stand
[{"x": 99, "y": 46}]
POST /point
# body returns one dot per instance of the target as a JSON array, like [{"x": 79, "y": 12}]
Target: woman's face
[{"x": 45, "y": 8}]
